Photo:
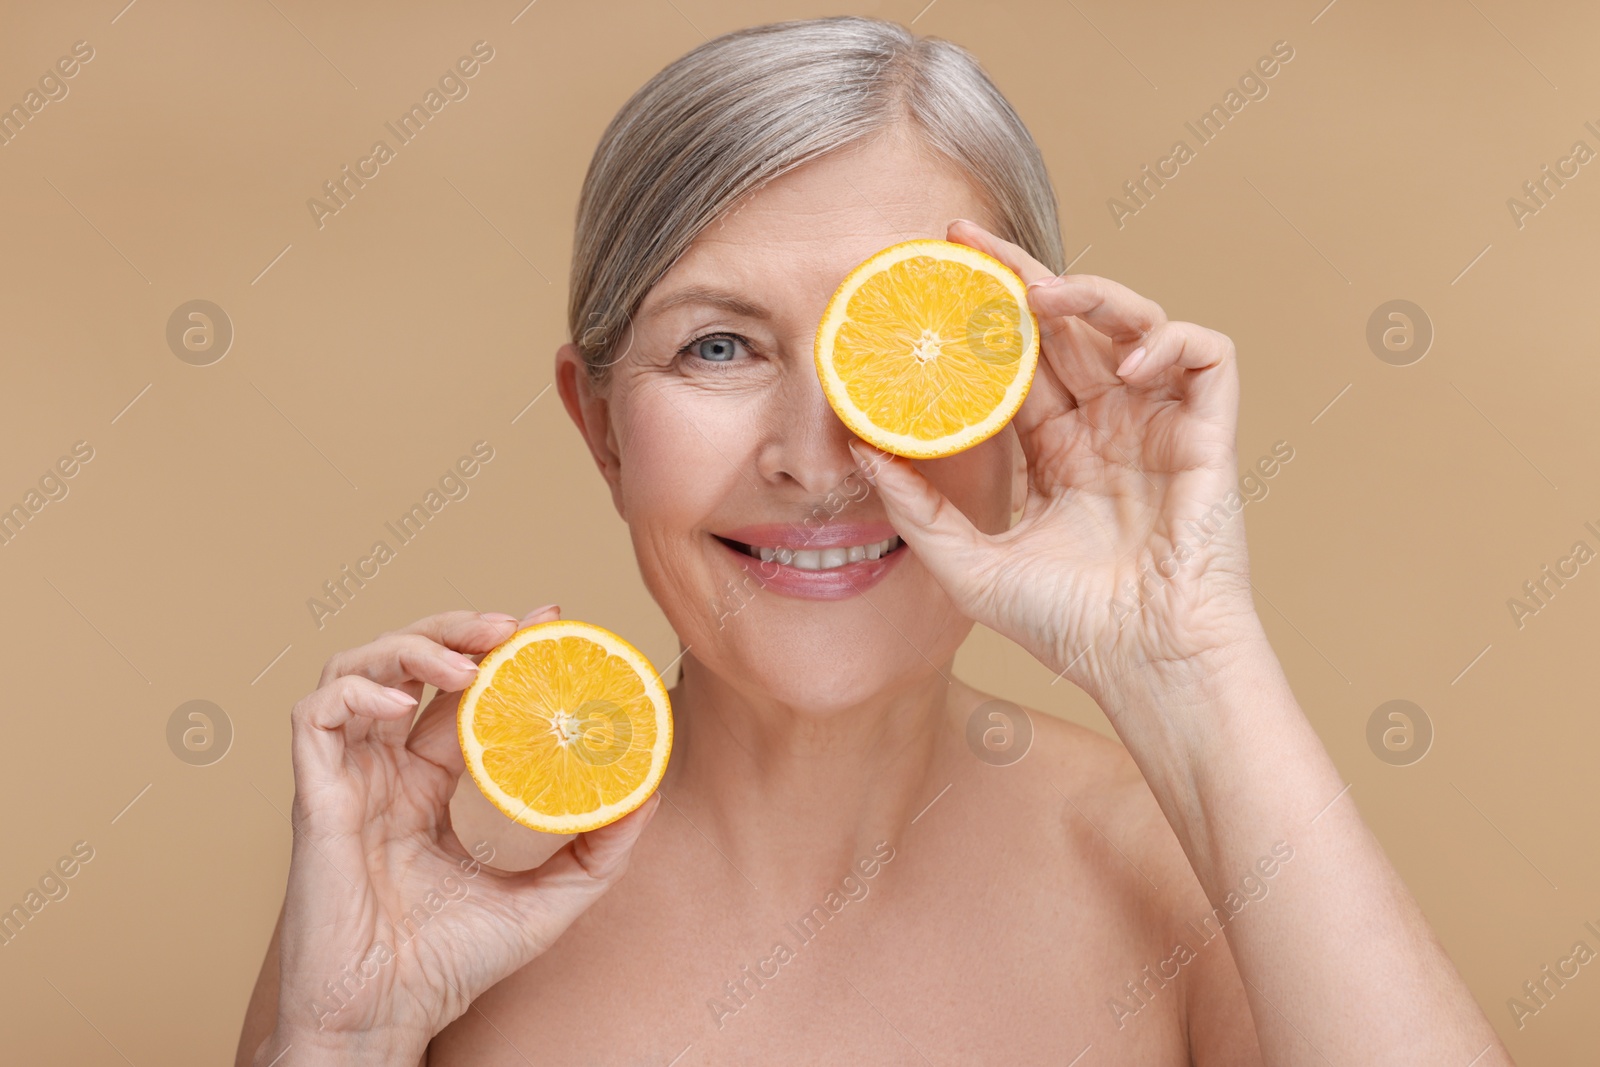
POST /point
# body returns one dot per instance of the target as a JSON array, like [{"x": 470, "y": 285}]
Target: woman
[{"x": 837, "y": 873}]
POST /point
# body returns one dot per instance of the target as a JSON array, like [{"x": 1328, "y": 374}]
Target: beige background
[{"x": 372, "y": 353}]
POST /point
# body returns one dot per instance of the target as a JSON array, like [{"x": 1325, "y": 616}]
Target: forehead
[{"x": 809, "y": 227}]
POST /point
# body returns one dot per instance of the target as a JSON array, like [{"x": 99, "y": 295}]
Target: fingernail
[
  {"x": 1046, "y": 283},
  {"x": 540, "y": 611},
  {"x": 466, "y": 663},
  {"x": 967, "y": 222},
  {"x": 398, "y": 698},
  {"x": 864, "y": 464},
  {"x": 500, "y": 616},
  {"x": 1131, "y": 364}
]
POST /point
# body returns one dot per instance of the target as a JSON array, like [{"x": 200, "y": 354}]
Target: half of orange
[
  {"x": 927, "y": 348},
  {"x": 566, "y": 728}
]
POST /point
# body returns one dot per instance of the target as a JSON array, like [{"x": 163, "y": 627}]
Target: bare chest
[{"x": 933, "y": 958}]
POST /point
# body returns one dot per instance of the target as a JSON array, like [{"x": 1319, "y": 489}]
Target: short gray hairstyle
[{"x": 740, "y": 110}]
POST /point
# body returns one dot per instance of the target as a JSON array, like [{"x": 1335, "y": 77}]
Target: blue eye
[{"x": 717, "y": 348}]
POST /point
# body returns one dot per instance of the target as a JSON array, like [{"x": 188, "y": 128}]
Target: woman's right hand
[{"x": 390, "y": 927}]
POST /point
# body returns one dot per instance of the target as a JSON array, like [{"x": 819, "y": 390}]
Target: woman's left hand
[{"x": 1127, "y": 557}]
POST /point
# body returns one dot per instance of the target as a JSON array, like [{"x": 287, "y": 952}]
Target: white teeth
[{"x": 823, "y": 559}]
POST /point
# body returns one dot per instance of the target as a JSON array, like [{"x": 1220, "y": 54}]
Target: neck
[{"x": 792, "y": 796}]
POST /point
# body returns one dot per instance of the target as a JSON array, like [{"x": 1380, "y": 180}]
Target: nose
[{"x": 806, "y": 446}]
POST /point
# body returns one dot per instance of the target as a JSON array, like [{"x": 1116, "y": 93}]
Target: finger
[
  {"x": 324, "y": 720},
  {"x": 556, "y": 892},
  {"x": 407, "y": 660},
  {"x": 465, "y": 631},
  {"x": 941, "y": 536},
  {"x": 548, "y": 613},
  {"x": 969, "y": 233},
  {"x": 1087, "y": 325},
  {"x": 1110, "y": 307},
  {"x": 1211, "y": 391},
  {"x": 1048, "y": 397},
  {"x": 1077, "y": 350},
  {"x": 434, "y": 737},
  {"x": 452, "y": 846}
]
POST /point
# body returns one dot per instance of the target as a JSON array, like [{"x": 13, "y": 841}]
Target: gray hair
[{"x": 740, "y": 110}]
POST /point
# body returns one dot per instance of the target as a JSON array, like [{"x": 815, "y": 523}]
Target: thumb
[
  {"x": 556, "y": 892},
  {"x": 942, "y": 537}
]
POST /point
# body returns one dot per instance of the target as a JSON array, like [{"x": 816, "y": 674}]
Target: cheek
[
  {"x": 681, "y": 455},
  {"x": 684, "y": 456}
]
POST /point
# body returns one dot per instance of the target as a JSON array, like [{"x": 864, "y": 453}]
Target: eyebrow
[{"x": 700, "y": 294}]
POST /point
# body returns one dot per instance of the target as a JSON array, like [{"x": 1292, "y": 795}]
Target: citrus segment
[
  {"x": 566, "y": 728},
  {"x": 927, "y": 348}
]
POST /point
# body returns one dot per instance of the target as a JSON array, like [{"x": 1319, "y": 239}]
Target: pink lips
[{"x": 836, "y": 583}]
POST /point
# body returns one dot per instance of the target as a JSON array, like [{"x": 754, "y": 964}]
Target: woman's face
[{"x": 715, "y": 437}]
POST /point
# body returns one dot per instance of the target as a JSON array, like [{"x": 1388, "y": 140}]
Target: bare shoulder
[
  {"x": 1104, "y": 788},
  {"x": 1190, "y": 967}
]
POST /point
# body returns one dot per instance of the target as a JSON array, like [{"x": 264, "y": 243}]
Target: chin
[{"x": 825, "y": 658}]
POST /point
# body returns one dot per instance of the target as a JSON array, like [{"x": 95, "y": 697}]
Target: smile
[
  {"x": 818, "y": 559},
  {"x": 833, "y": 561}
]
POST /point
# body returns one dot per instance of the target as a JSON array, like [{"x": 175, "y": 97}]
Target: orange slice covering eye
[{"x": 927, "y": 348}]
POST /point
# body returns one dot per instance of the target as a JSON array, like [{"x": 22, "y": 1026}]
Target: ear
[
  {"x": 590, "y": 411},
  {"x": 1019, "y": 473}
]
